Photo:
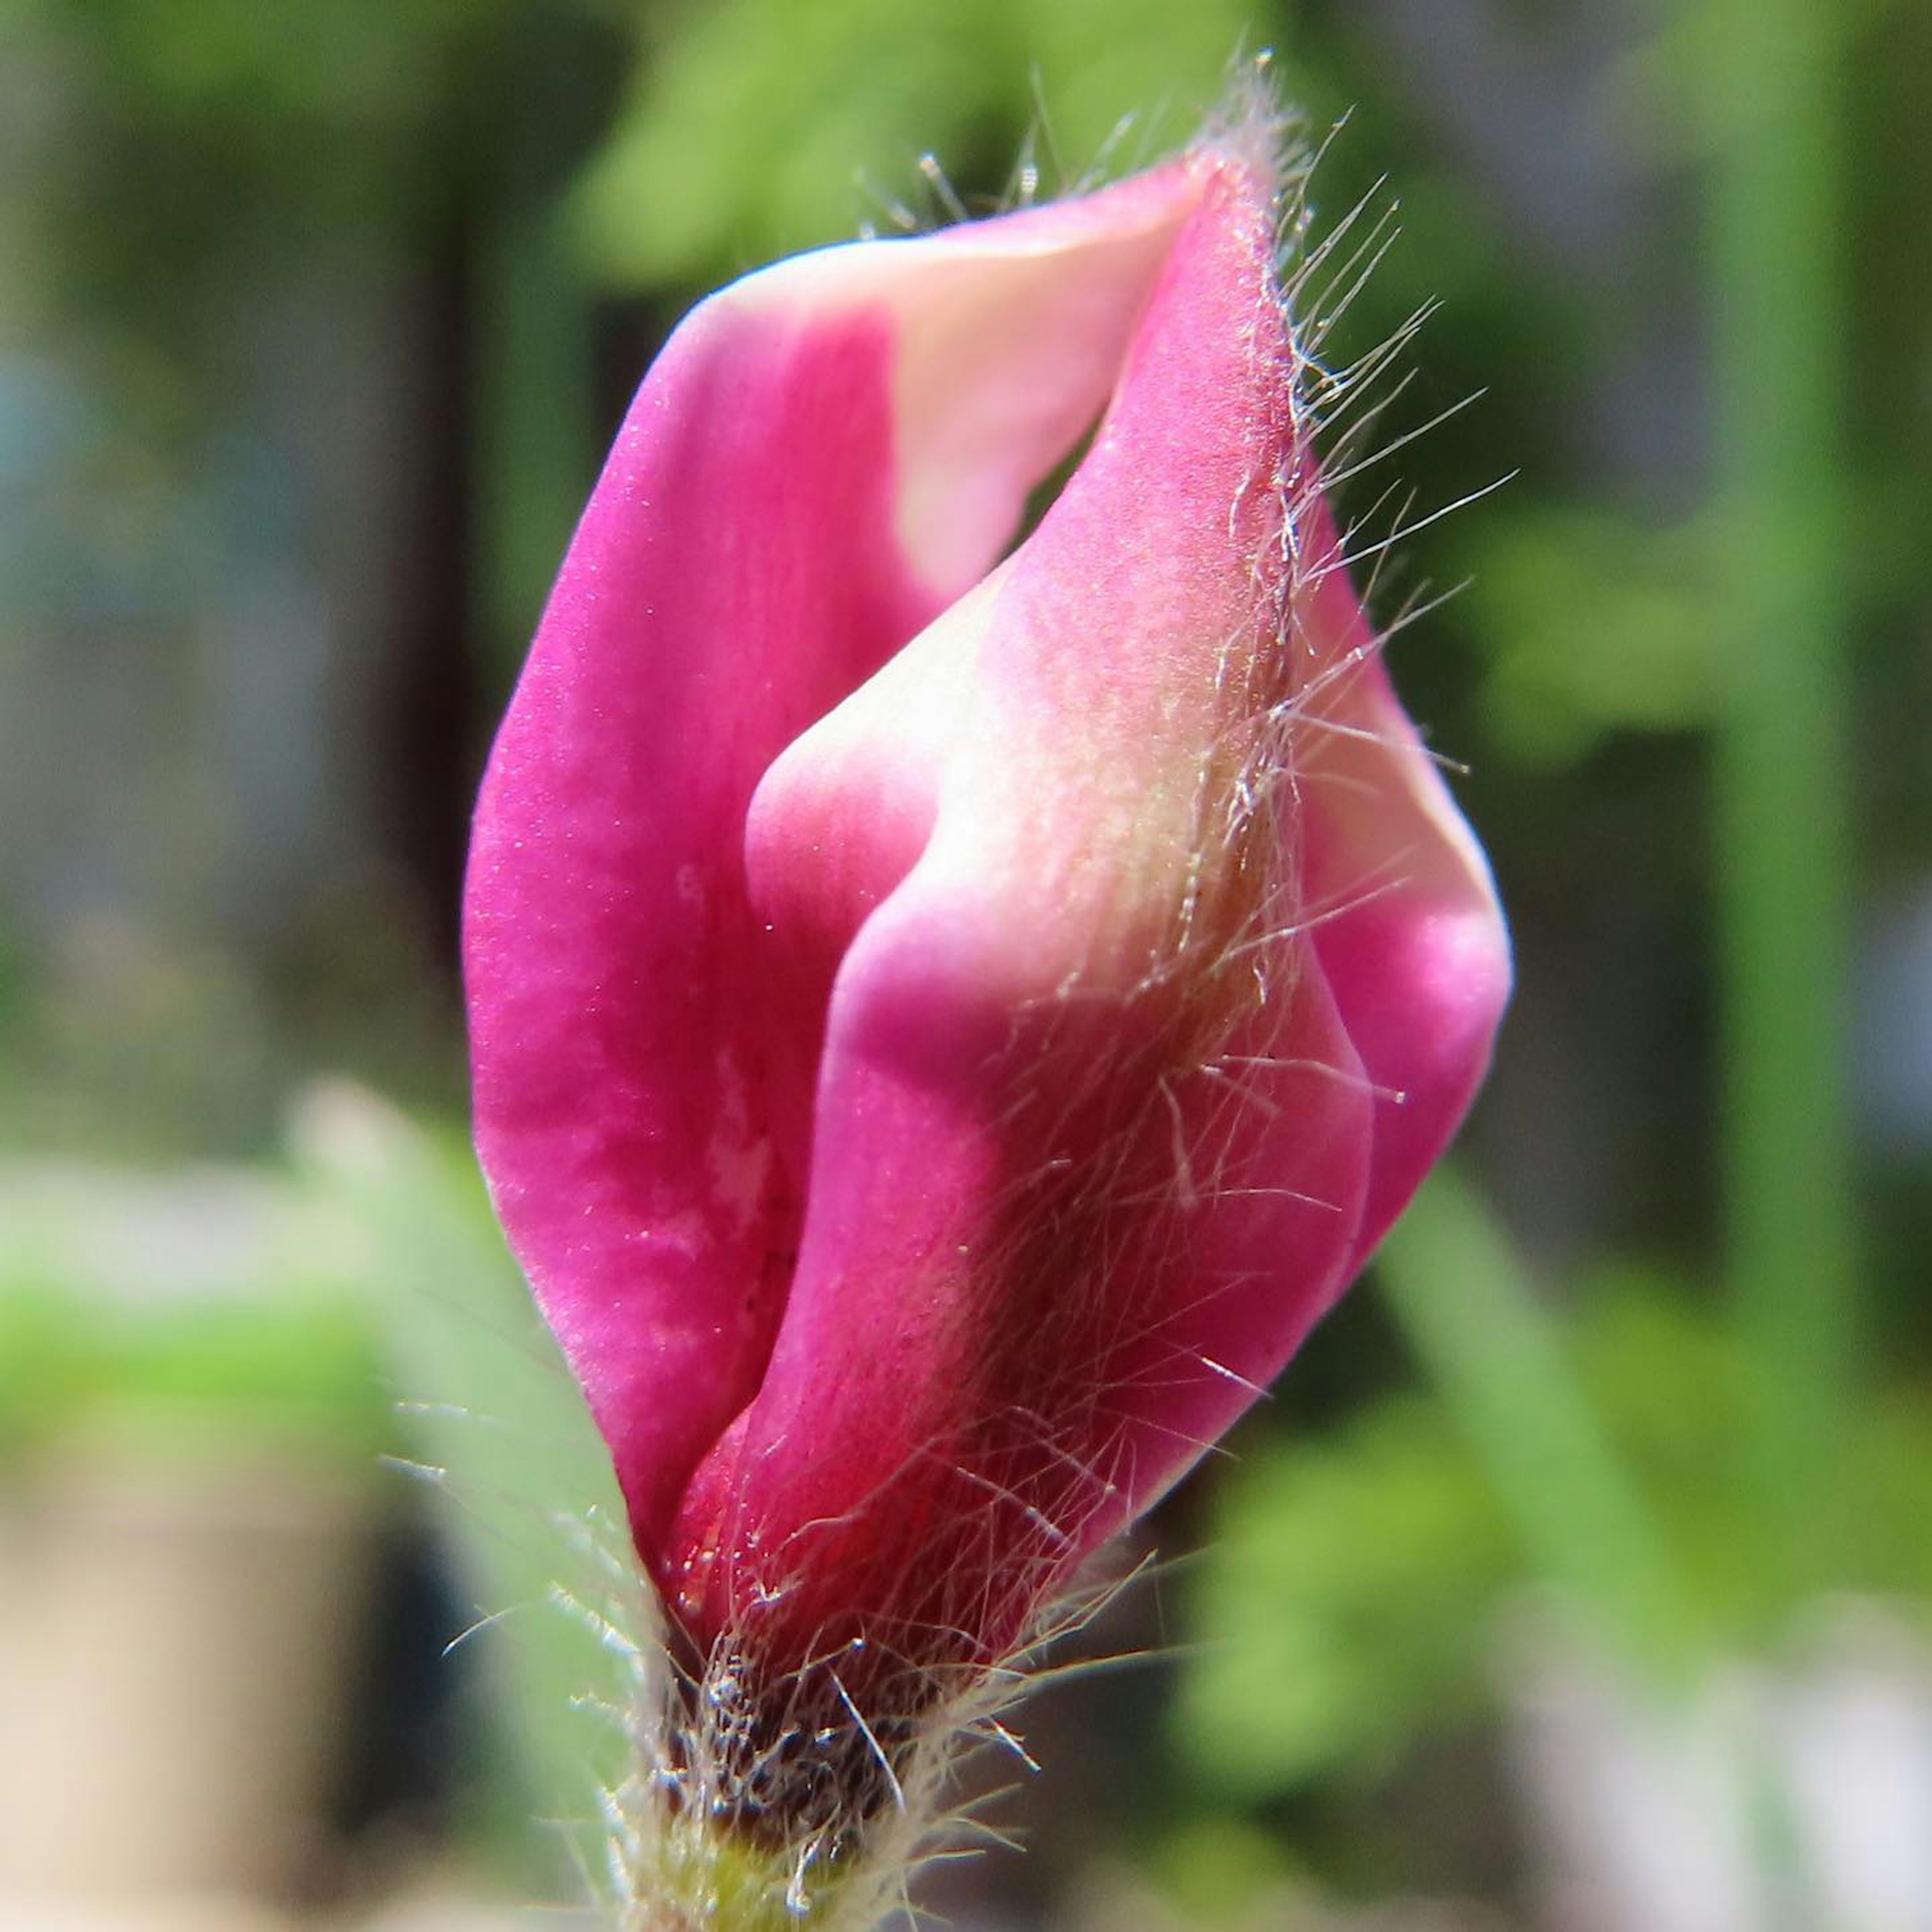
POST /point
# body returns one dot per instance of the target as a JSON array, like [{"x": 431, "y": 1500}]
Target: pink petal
[
  {"x": 1412, "y": 939},
  {"x": 824, "y": 456},
  {"x": 945, "y": 1029},
  {"x": 1078, "y": 1188}
]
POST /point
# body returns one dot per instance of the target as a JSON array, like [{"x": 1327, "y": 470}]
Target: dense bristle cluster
[{"x": 754, "y": 1804}]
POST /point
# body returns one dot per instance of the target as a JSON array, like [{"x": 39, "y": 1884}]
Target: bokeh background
[{"x": 1580, "y": 1576}]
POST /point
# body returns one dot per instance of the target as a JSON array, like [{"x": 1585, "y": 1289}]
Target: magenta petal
[
  {"x": 990, "y": 1364},
  {"x": 823, "y": 457},
  {"x": 639, "y": 1098},
  {"x": 945, "y": 1027},
  {"x": 1092, "y": 1143},
  {"x": 1410, "y": 935}
]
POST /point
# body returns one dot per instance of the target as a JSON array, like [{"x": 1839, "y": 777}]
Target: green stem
[
  {"x": 1784, "y": 843},
  {"x": 1477, "y": 1324}
]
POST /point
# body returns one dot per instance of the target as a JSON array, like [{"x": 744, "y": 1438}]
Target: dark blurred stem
[
  {"x": 535, "y": 449},
  {"x": 535, "y": 445},
  {"x": 1783, "y": 847}
]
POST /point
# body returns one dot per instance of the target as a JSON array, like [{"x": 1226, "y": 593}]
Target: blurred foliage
[
  {"x": 1343, "y": 1605},
  {"x": 494, "y": 1420},
  {"x": 319, "y": 115},
  {"x": 355, "y": 1304},
  {"x": 754, "y": 126},
  {"x": 304, "y": 1373},
  {"x": 1593, "y": 626},
  {"x": 1347, "y": 1605},
  {"x": 1214, "y": 1866}
]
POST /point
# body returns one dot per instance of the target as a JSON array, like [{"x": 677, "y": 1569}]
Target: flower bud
[{"x": 948, "y": 1017}]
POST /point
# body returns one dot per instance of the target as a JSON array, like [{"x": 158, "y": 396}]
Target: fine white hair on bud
[
  {"x": 954, "y": 1000},
  {"x": 755, "y": 1806}
]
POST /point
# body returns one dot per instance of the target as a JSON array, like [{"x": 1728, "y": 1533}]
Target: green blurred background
[{"x": 1580, "y": 1576}]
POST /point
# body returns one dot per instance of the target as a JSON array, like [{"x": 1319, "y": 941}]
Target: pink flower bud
[{"x": 946, "y": 1022}]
